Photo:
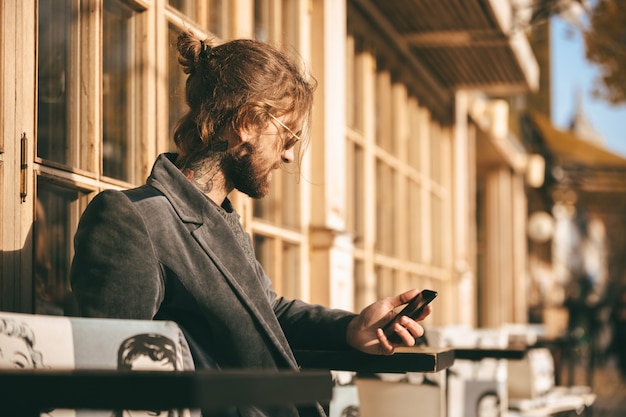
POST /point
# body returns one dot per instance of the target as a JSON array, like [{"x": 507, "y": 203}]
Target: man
[{"x": 174, "y": 249}]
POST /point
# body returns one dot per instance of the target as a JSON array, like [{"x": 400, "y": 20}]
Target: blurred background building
[{"x": 433, "y": 161}]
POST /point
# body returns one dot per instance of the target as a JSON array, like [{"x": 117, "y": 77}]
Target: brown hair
[{"x": 236, "y": 84}]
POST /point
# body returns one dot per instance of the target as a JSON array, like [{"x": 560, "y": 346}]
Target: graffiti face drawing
[{"x": 17, "y": 343}]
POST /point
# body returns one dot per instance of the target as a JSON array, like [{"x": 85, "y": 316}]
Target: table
[
  {"x": 405, "y": 359},
  {"x": 25, "y": 392},
  {"x": 562, "y": 348},
  {"x": 551, "y": 404},
  {"x": 477, "y": 354},
  {"x": 566, "y": 405}
]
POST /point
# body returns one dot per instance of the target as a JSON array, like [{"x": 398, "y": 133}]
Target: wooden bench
[
  {"x": 73, "y": 365},
  {"x": 76, "y": 363},
  {"x": 28, "y": 392}
]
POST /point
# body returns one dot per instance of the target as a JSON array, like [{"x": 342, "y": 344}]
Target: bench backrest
[
  {"x": 70, "y": 343},
  {"x": 87, "y": 343}
]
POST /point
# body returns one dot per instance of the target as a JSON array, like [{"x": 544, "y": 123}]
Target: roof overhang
[
  {"x": 469, "y": 44},
  {"x": 570, "y": 150},
  {"x": 596, "y": 175}
]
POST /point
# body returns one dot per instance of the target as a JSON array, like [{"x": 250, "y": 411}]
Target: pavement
[{"x": 609, "y": 387}]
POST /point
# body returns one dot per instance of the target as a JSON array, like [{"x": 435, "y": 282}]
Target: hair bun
[{"x": 205, "y": 50}]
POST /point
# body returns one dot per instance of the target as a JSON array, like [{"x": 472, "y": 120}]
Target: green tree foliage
[{"x": 605, "y": 42}]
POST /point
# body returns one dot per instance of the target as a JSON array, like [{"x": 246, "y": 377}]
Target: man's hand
[{"x": 365, "y": 333}]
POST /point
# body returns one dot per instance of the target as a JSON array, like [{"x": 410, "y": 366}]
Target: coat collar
[
  {"x": 190, "y": 204},
  {"x": 216, "y": 239}
]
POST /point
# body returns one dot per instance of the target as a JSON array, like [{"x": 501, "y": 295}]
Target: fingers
[
  {"x": 427, "y": 310},
  {"x": 407, "y": 330},
  {"x": 404, "y": 298},
  {"x": 386, "y": 348}
]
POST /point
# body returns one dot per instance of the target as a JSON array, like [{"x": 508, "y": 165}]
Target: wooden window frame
[{"x": 409, "y": 152}]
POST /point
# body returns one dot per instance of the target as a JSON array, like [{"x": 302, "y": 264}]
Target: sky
[{"x": 572, "y": 75}]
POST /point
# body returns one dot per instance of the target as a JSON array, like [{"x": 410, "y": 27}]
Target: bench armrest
[
  {"x": 415, "y": 359},
  {"x": 35, "y": 390},
  {"x": 478, "y": 354}
]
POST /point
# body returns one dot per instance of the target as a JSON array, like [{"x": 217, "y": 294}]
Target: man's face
[
  {"x": 249, "y": 166},
  {"x": 249, "y": 171},
  {"x": 14, "y": 353}
]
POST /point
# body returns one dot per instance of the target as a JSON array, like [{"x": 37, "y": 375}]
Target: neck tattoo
[{"x": 202, "y": 173}]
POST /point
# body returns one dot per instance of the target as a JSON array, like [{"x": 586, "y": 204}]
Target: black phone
[{"x": 413, "y": 309}]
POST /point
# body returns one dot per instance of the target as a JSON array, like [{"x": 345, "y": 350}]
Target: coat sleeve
[
  {"x": 115, "y": 272},
  {"x": 310, "y": 326}
]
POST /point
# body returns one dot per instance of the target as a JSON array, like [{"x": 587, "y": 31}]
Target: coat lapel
[
  {"x": 216, "y": 239},
  {"x": 244, "y": 282}
]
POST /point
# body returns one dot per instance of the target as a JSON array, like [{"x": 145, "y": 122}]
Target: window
[
  {"x": 52, "y": 229},
  {"x": 262, "y": 19},
  {"x": 281, "y": 262},
  {"x": 98, "y": 126},
  {"x": 120, "y": 91},
  {"x": 88, "y": 132},
  {"x": 398, "y": 189},
  {"x": 177, "y": 105},
  {"x": 53, "y": 140},
  {"x": 277, "y": 222},
  {"x": 56, "y": 213},
  {"x": 209, "y": 15}
]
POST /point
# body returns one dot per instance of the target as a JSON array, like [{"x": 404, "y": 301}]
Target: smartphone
[{"x": 413, "y": 309}]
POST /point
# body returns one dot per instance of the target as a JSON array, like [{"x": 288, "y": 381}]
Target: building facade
[{"x": 412, "y": 177}]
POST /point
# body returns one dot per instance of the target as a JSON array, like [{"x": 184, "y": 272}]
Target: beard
[{"x": 244, "y": 172}]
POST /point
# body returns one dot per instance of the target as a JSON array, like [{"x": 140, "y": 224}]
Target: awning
[
  {"x": 449, "y": 45},
  {"x": 569, "y": 149},
  {"x": 473, "y": 44}
]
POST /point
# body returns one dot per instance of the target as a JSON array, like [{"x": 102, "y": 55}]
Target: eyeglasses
[{"x": 295, "y": 137}]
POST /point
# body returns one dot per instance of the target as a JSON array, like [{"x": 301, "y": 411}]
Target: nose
[{"x": 288, "y": 155}]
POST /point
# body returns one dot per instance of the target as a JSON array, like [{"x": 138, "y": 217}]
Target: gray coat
[{"x": 163, "y": 251}]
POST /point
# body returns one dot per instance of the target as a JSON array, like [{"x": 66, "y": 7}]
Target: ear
[
  {"x": 237, "y": 137},
  {"x": 245, "y": 134}
]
